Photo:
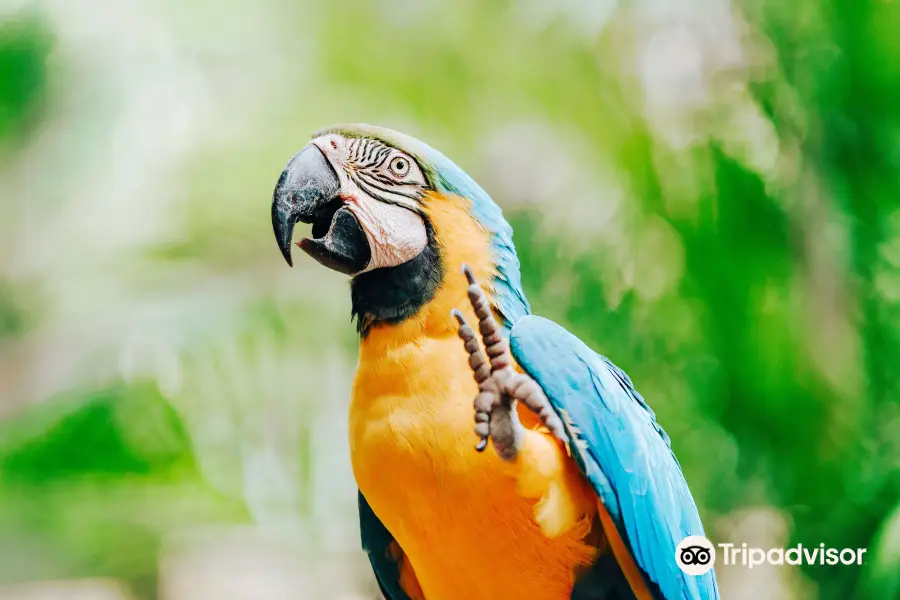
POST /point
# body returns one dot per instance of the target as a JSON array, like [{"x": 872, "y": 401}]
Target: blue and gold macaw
[{"x": 579, "y": 494}]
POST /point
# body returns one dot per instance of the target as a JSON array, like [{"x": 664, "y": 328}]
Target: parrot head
[{"x": 394, "y": 214}]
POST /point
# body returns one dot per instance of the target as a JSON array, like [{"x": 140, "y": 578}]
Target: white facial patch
[{"x": 396, "y": 233}]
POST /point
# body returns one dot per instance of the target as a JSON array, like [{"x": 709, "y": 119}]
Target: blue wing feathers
[
  {"x": 642, "y": 485},
  {"x": 625, "y": 382}
]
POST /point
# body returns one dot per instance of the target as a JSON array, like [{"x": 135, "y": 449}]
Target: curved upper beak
[
  {"x": 308, "y": 191},
  {"x": 307, "y": 184}
]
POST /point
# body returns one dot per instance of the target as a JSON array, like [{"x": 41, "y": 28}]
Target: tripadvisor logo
[
  {"x": 797, "y": 555},
  {"x": 696, "y": 555}
]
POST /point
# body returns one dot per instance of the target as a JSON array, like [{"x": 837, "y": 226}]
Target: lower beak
[{"x": 308, "y": 191}]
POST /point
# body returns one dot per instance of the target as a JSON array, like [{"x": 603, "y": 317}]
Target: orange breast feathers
[{"x": 467, "y": 524}]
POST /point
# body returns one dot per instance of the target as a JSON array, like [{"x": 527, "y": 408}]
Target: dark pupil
[{"x": 400, "y": 165}]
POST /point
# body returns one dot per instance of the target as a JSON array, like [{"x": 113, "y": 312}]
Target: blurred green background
[{"x": 706, "y": 191}]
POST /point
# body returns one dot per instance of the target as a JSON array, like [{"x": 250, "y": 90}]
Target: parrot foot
[{"x": 500, "y": 386}]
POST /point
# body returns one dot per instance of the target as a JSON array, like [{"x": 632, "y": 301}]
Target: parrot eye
[{"x": 400, "y": 166}]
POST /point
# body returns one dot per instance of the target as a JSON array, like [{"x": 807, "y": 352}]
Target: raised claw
[
  {"x": 488, "y": 392},
  {"x": 481, "y": 369},
  {"x": 499, "y": 386},
  {"x": 491, "y": 336}
]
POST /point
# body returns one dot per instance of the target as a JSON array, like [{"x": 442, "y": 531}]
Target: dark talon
[
  {"x": 482, "y": 444},
  {"x": 470, "y": 276}
]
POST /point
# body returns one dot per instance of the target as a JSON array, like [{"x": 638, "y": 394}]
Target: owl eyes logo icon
[{"x": 695, "y": 555}]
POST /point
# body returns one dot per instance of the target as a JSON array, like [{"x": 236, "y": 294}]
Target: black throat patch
[{"x": 393, "y": 294}]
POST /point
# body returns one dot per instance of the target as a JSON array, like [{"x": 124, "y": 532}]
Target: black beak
[{"x": 308, "y": 191}]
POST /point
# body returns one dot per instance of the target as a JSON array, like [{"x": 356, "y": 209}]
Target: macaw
[{"x": 578, "y": 495}]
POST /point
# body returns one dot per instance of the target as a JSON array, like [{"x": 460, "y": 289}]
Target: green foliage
[
  {"x": 112, "y": 432},
  {"x": 91, "y": 484},
  {"x": 25, "y": 43}
]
